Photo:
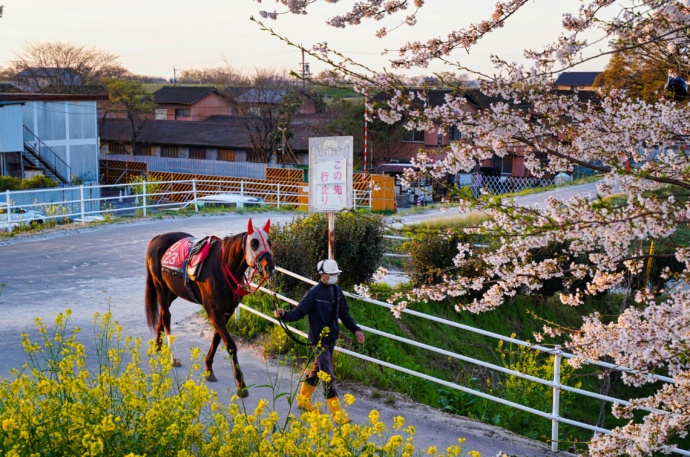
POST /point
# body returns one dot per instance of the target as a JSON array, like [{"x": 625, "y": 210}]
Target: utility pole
[
  {"x": 174, "y": 76},
  {"x": 305, "y": 71}
]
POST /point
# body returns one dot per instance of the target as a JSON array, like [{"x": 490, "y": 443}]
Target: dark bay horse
[{"x": 219, "y": 286}]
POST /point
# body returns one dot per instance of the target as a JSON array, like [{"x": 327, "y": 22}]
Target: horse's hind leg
[
  {"x": 220, "y": 323},
  {"x": 164, "y": 324}
]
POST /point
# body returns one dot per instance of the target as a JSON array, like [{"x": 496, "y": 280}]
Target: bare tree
[
  {"x": 64, "y": 68},
  {"x": 266, "y": 100}
]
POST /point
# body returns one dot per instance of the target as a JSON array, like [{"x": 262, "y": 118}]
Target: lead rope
[{"x": 284, "y": 326}]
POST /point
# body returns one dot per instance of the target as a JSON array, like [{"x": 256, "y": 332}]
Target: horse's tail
[{"x": 152, "y": 308}]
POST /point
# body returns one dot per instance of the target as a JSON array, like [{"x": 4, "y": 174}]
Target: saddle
[{"x": 186, "y": 258}]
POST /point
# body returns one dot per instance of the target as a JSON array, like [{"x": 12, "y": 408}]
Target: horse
[{"x": 218, "y": 287}]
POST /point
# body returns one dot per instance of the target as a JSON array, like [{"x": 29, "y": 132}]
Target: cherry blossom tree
[{"x": 603, "y": 240}]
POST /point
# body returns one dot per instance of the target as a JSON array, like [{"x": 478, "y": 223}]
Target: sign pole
[{"x": 331, "y": 236}]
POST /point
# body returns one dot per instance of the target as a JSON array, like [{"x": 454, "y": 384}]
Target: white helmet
[{"x": 328, "y": 266}]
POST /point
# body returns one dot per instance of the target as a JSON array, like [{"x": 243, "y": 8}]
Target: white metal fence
[
  {"x": 88, "y": 203},
  {"x": 555, "y": 384}
]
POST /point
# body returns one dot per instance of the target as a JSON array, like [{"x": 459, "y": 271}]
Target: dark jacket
[{"x": 318, "y": 305}]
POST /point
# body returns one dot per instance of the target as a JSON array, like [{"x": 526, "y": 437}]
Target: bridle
[
  {"x": 263, "y": 246},
  {"x": 246, "y": 286}
]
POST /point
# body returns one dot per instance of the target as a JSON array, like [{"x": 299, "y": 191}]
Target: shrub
[
  {"x": 56, "y": 405},
  {"x": 301, "y": 243},
  {"x": 432, "y": 251},
  {"x": 36, "y": 182}
]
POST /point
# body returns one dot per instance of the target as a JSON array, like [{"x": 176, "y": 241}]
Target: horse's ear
[
  {"x": 267, "y": 227},
  {"x": 250, "y": 228}
]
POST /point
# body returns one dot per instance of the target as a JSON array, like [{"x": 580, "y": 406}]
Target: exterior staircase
[{"x": 39, "y": 155}]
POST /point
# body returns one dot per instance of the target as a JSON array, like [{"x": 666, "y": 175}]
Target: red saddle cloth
[{"x": 177, "y": 254}]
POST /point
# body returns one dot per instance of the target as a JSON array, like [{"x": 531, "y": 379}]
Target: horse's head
[{"x": 257, "y": 250}]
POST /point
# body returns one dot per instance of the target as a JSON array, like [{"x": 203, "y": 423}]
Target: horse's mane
[{"x": 231, "y": 245}]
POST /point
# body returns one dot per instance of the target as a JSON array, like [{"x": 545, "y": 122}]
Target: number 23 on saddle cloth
[{"x": 188, "y": 254}]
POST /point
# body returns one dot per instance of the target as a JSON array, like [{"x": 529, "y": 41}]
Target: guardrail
[
  {"x": 555, "y": 383},
  {"x": 87, "y": 203}
]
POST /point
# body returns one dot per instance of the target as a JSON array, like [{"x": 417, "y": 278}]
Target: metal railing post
[
  {"x": 237, "y": 313},
  {"x": 278, "y": 195},
  {"x": 9, "y": 213},
  {"x": 81, "y": 204},
  {"x": 196, "y": 205},
  {"x": 556, "y": 399},
  {"x": 143, "y": 196},
  {"x": 241, "y": 204}
]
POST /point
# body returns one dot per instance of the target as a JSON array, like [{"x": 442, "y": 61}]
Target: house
[
  {"x": 37, "y": 79},
  {"x": 190, "y": 103},
  {"x": 218, "y": 138},
  {"x": 59, "y": 135},
  {"x": 256, "y": 99},
  {"x": 408, "y": 143},
  {"x": 576, "y": 80}
]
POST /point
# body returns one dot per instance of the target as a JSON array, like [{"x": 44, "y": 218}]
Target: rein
[
  {"x": 243, "y": 288},
  {"x": 284, "y": 326}
]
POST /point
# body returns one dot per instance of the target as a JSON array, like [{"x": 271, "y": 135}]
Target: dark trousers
[{"x": 324, "y": 362}]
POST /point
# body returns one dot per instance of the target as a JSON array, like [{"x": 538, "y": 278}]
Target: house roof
[
  {"x": 215, "y": 132},
  {"x": 255, "y": 95},
  {"x": 227, "y": 134},
  {"x": 41, "y": 97},
  {"x": 576, "y": 78},
  {"x": 182, "y": 95}
]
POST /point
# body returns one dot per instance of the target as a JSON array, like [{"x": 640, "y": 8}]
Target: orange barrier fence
[{"x": 283, "y": 186}]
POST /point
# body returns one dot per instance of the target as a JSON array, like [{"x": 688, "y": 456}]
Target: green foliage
[
  {"x": 36, "y": 182},
  {"x": 531, "y": 394},
  {"x": 432, "y": 251},
  {"x": 299, "y": 244}
]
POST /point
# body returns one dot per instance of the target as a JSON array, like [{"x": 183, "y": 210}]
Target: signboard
[{"x": 330, "y": 173}]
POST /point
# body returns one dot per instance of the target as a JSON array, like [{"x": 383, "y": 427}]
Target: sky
[{"x": 164, "y": 37}]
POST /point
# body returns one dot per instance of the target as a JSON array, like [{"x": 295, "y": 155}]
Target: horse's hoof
[
  {"x": 243, "y": 392},
  {"x": 177, "y": 363},
  {"x": 211, "y": 378}
]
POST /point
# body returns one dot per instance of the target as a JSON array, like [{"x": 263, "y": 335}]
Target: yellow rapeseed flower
[
  {"x": 349, "y": 399},
  {"x": 8, "y": 424},
  {"x": 398, "y": 422},
  {"x": 374, "y": 416},
  {"x": 325, "y": 377},
  {"x": 432, "y": 450}
]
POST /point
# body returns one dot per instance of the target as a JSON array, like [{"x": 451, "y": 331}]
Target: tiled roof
[
  {"x": 228, "y": 134},
  {"x": 182, "y": 95},
  {"x": 576, "y": 78},
  {"x": 215, "y": 132},
  {"x": 271, "y": 96}
]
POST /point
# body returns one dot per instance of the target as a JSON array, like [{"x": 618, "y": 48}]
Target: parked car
[
  {"x": 226, "y": 200},
  {"x": 19, "y": 216}
]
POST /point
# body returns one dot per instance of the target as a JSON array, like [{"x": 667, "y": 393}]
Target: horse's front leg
[
  {"x": 220, "y": 323},
  {"x": 210, "y": 377}
]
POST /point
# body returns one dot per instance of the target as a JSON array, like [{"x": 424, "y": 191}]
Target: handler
[{"x": 324, "y": 304}]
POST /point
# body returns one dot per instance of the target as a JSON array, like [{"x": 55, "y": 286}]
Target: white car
[
  {"x": 227, "y": 200},
  {"x": 19, "y": 216}
]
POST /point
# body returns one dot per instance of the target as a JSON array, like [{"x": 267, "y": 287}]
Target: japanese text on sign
[{"x": 331, "y": 183}]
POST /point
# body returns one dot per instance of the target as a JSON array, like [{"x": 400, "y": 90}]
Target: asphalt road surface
[{"x": 96, "y": 269}]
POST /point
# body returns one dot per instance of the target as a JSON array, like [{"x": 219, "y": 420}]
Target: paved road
[{"x": 102, "y": 268}]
